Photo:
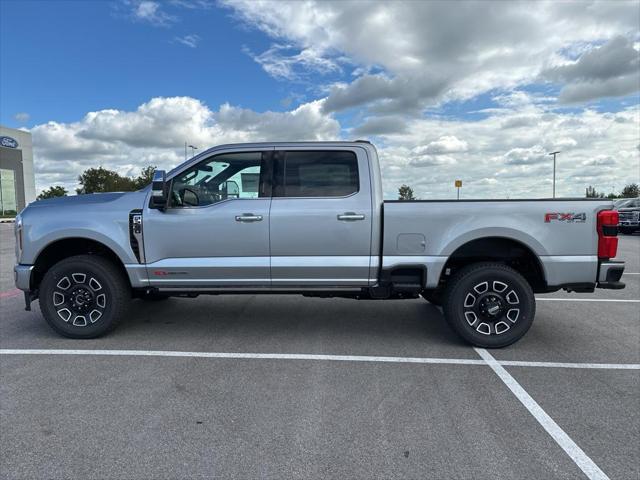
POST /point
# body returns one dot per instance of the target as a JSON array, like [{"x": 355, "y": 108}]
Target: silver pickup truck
[{"x": 307, "y": 218}]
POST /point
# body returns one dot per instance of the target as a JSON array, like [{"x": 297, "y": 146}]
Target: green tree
[
  {"x": 145, "y": 177},
  {"x": 630, "y": 191},
  {"x": 53, "y": 192},
  {"x": 99, "y": 180},
  {"x": 405, "y": 192},
  {"x": 592, "y": 193}
]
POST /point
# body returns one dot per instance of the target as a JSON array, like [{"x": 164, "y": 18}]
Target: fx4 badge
[{"x": 565, "y": 217}]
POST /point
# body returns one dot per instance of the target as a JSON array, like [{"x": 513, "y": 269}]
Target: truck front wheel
[
  {"x": 83, "y": 296},
  {"x": 489, "y": 305}
]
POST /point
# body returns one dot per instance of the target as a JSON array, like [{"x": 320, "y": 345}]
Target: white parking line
[
  {"x": 594, "y": 366},
  {"x": 543, "y": 299},
  {"x": 316, "y": 357},
  {"x": 588, "y": 466}
]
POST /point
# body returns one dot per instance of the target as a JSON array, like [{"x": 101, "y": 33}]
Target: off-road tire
[
  {"x": 476, "y": 291},
  {"x": 89, "y": 291}
]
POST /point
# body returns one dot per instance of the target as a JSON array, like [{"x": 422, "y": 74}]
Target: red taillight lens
[{"x": 607, "y": 234}]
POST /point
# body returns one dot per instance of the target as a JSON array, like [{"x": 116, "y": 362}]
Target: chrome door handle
[
  {"x": 350, "y": 217},
  {"x": 248, "y": 217}
]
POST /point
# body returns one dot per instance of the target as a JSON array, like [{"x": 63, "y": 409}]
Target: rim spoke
[
  {"x": 481, "y": 287},
  {"x": 79, "y": 277},
  {"x": 501, "y": 327},
  {"x": 513, "y": 314},
  {"x": 469, "y": 300},
  {"x": 101, "y": 300},
  {"x": 64, "y": 283},
  {"x": 94, "y": 284},
  {"x": 499, "y": 287},
  {"x": 471, "y": 317},
  {"x": 484, "y": 328},
  {"x": 58, "y": 299},
  {"x": 65, "y": 314}
]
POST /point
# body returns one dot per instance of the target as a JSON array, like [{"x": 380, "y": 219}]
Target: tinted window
[
  {"x": 317, "y": 174},
  {"x": 226, "y": 176}
]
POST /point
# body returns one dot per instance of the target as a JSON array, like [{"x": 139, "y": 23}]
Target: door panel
[
  {"x": 321, "y": 240},
  {"x": 215, "y": 231},
  {"x": 207, "y": 246}
]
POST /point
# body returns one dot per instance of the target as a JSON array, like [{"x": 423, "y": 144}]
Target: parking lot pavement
[
  {"x": 598, "y": 409},
  {"x": 134, "y": 416}
]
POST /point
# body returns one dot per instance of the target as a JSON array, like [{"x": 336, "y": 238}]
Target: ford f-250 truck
[{"x": 307, "y": 218}]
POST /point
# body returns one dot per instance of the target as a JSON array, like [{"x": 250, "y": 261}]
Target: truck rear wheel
[
  {"x": 84, "y": 296},
  {"x": 489, "y": 305}
]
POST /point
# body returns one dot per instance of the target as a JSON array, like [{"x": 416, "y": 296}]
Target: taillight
[{"x": 607, "y": 234}]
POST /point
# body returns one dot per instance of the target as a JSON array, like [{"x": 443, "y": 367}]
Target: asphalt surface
[{"x": 89, "y": 416}]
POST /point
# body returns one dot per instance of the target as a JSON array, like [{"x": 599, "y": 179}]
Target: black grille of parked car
[{"x": 631, "y": 216}]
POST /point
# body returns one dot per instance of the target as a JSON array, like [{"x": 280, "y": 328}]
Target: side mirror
[{"x": 159, "y": 190}]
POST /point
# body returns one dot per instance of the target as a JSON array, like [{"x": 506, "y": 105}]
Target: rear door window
[{"x": 316, "y": 174}]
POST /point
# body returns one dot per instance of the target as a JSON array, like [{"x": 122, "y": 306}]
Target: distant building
[{"x": 17, "y": 181}]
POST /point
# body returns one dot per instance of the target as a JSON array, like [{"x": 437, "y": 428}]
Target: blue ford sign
[{"x": 8, "y": 142}]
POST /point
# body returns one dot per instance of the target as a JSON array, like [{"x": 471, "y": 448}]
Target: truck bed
[{"x": 432, "y": 230}]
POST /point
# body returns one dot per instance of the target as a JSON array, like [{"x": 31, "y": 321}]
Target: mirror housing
[{"x": 159, "y": 190}]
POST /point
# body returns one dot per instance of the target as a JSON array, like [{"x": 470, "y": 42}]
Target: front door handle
[
  {"x": 350, "y": 217},
  {"x": 248, "y": 217}
]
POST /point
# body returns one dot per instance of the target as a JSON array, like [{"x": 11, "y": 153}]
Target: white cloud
[
  {"x": 151, "y": 12},
  {"x": 155, "y": 134},
  {"x": 610, "y": 70},
  {"x": 280, "y": 63},
  {"x": 431, "y": 53},
  {"x": 599, "y": 149},
  {"x": 526, "y": 156},
  {"x": 190, "y": 41},
  {"x": 445, "y": 144},
  {"x": 22, "y": 117}
]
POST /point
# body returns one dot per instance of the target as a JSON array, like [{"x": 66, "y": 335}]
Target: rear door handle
[
  {"x": 248, "y": 217},
  {"x": 350, "y": 217}
]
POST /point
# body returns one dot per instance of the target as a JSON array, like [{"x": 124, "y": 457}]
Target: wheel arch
[
  {"x": 63, "y": 248},
  {"x": 507, "y": 250}
]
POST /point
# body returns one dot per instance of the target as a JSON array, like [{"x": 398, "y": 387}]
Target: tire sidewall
[
  {"x": 455, "y": 306},
  {"x": 91, "y": 268}
]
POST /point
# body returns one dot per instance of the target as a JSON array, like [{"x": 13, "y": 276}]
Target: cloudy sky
[{"x": 478, "y": 91}]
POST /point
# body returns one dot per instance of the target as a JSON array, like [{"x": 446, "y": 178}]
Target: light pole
[
  {"x": 193, "y": 150},
  {"x": 554, "y": 171}
]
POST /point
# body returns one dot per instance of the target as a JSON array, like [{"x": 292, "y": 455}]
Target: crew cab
[{"x": 307, "y": 218}]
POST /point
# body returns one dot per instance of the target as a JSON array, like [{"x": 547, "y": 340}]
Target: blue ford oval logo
[{"x": 8, "y": 142}]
